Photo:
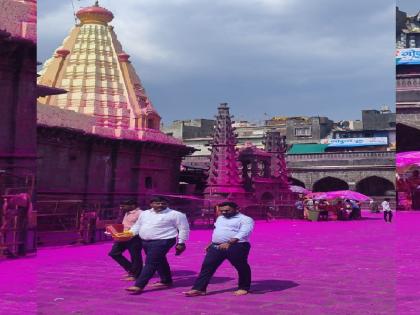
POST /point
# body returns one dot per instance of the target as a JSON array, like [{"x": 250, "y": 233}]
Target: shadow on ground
[
  {"x": 263, "y": 286},
  {"x": 188, "y": 280}
]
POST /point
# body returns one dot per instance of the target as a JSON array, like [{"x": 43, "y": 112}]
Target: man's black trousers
[{"x": 236, "y": 254}]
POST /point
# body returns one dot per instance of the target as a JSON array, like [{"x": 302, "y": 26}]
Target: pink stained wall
[
  {"x": 17, "y": 105},
  {"x": 74, "y": 165}
]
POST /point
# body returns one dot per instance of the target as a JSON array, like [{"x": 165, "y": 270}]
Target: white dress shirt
[
  {"x": 166, "y": 224},
  {"x": 385, "y": 206},
  {"x": 239, "y": 226}
]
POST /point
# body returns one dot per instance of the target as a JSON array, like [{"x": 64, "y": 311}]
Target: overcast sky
[
  {"x": 409, "y": 6},
  {"x": 264, "y": 57}
]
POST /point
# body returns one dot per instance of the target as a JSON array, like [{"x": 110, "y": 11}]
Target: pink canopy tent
[
  {"x": 342, "y": 194},
  {"x": 315, "y": 195},
  {"x": 406, "y": 160},
  {"x": 299, "y": 189}
]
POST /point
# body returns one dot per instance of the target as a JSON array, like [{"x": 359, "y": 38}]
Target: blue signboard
[
  {"x": 356, "y": 142},
  {"x": 410, "y": 56}
]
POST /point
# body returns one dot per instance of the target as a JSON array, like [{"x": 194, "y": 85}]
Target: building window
[{"x": 303, "y": 132}]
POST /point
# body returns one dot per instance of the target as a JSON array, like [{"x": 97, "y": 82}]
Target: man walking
[
  {"x": 133, "y": 267},
  {"x": 230, "y": 241},
  {"x": 158, "y": 227},
  {"x": 386, "y": 208}
]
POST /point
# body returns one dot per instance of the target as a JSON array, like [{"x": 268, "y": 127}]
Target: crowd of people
[
  {"x": 340, "y": 209},
  {"x": 337, "y": 209}
]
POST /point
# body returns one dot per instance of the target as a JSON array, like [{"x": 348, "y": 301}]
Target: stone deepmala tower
[
  {"x": 267, "y": 185},
  {"x": 224, "y": 181},
  {"x": 275, "y": 144}
]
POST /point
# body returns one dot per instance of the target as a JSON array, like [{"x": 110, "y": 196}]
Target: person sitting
[
  {"x": 354, "y": 209},
  {"x": 341, "y": 210},
  {"x": 323, "y": 209},
  {"x": 299, "y": 208},
  {"x": 373, "y": 206},
  {"x": 308, "y": 206}
]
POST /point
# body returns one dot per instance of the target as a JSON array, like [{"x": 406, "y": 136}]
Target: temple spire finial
[{"x": 97, "y": 3}]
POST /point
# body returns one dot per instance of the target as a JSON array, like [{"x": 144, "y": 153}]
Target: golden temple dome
[{"x": 95, "y": 15}]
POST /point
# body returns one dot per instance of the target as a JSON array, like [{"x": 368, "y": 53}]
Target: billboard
[
  {"x": 355, "y": 142},
  {"x": 409, "y": 56}
]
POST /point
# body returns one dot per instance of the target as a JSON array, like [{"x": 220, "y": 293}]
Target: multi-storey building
[{"x": 408, "y": 80}]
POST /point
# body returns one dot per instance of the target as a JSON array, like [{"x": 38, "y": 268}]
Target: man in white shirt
[
  {"x": 134, "y": 246},
  {"x": 159, "y": 227},
  {"x": 386, "y": 208},
  {"x": 230, "y": 241}
]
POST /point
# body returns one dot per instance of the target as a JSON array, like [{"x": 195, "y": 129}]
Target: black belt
[
  {"x": 163, "y": 239},
  {"x": 227, "y": 242}
]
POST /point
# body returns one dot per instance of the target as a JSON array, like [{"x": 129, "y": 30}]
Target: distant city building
[
  {"x": 382, "y": 119},
  {"x": 407, "y": 30},
  {"x": 307, "y": 129},
  {"x": 385, "y": 139},
  {"x": 298, "y": 131},
  {"x": 348, "y": 125},
  {"x": 193, "y": 128},
  {"x": 321, "y": 152},
  {"x": 408, "y": 80}
]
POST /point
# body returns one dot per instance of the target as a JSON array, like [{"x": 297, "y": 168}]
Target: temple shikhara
[
  {"x": 101, "y": 82},
  {"x": 100, "y": 141}
]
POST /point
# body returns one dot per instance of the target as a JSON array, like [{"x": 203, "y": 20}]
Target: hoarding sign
[
  {"x": 355, "y": 142},
  {"x": 409, "y": 56}
]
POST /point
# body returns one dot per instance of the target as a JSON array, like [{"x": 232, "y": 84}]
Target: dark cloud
[{"x": 279, "y": 57}]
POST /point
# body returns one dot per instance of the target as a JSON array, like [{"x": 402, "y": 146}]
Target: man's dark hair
[
  {"x": 228, "y": 204},
  {"x": 158, "y": 199},
  {"x": 387, "y": 199},
  {"x": 129, "y": 202}
]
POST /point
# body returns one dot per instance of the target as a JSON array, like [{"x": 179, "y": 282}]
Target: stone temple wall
[{"x": 76, "y": 165}]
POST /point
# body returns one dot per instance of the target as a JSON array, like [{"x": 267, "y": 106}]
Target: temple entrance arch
[
  {"x": 374, "y": 186},
  {"x": 296, "y": 182},
  {"x": 330, "y": 184}
]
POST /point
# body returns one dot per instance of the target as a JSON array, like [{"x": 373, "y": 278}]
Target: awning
[{"x": 305, "y": 148}]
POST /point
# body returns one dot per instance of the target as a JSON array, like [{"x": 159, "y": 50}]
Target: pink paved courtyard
[{"x": 356, "y": 267}]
